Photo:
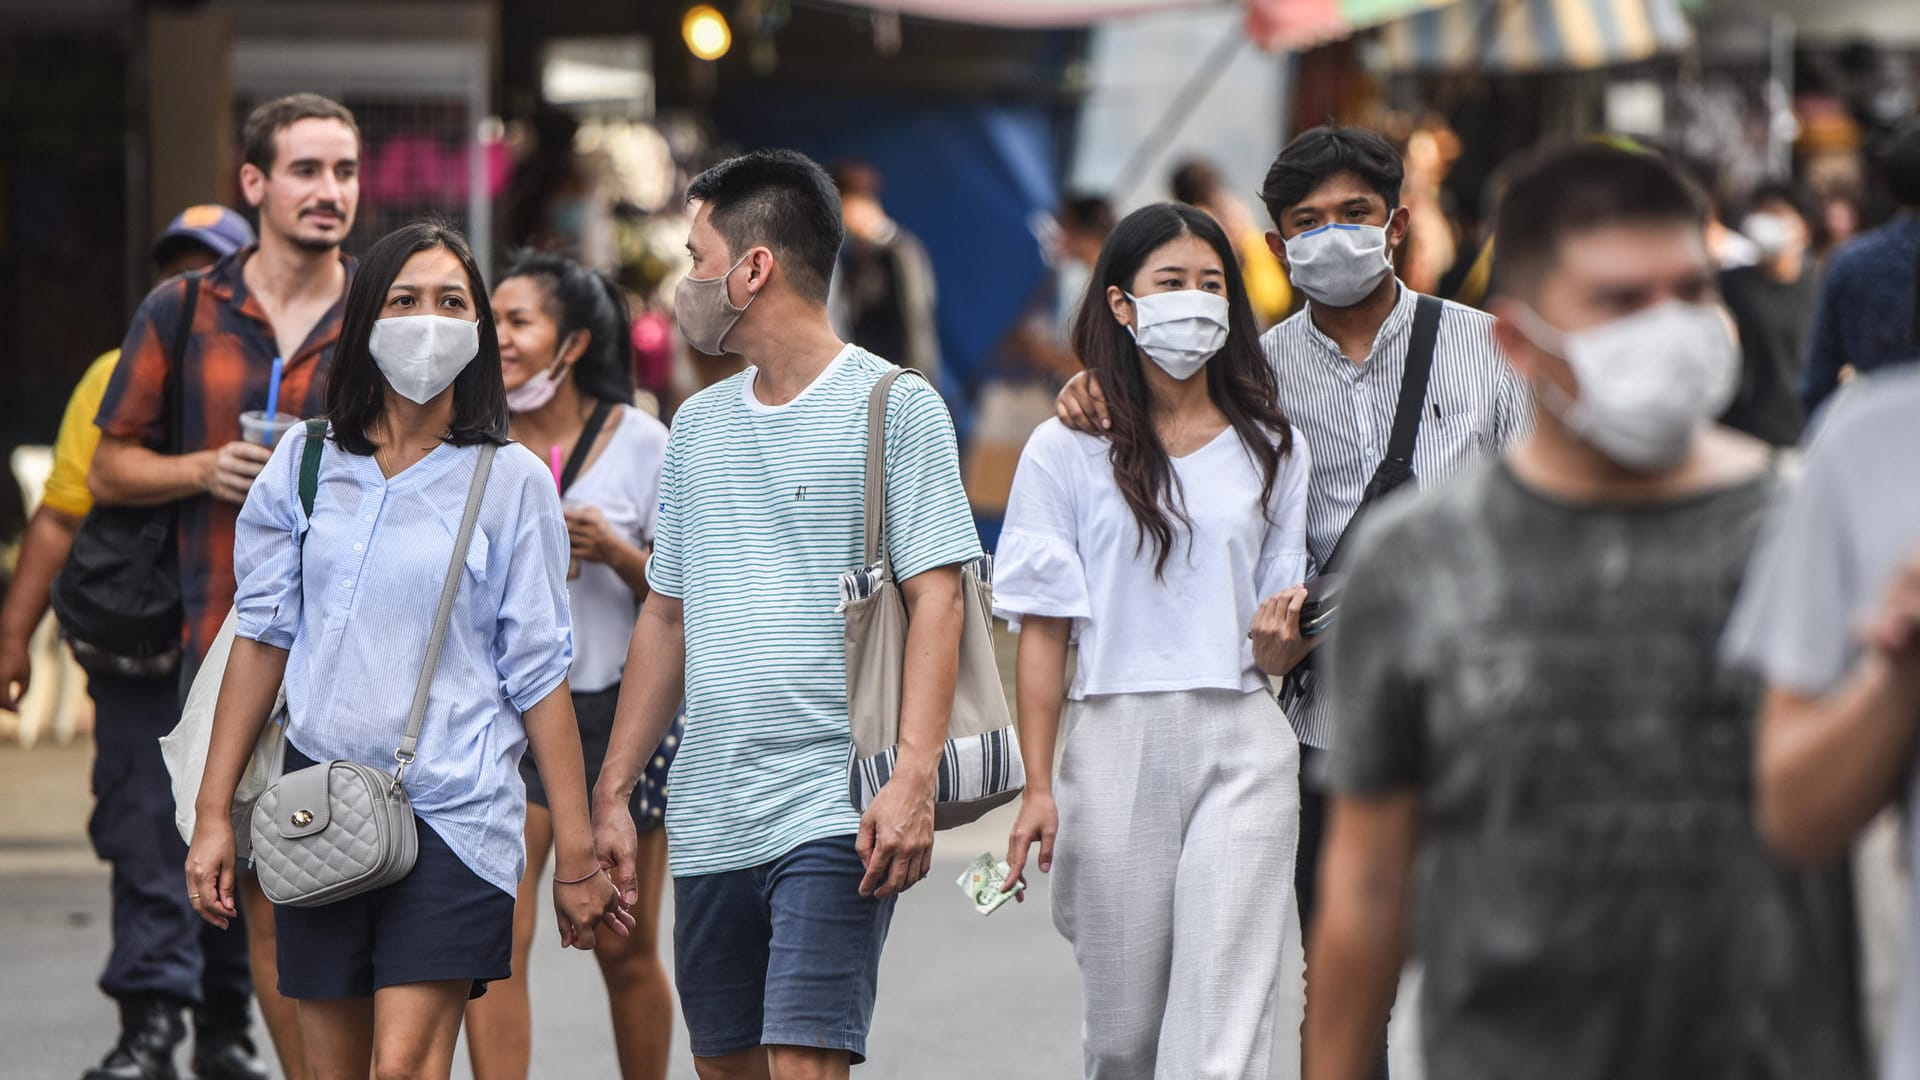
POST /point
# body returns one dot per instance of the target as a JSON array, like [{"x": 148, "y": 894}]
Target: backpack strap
[
  {"x": 1413, "y": 381},
  {"x": 1397, "y": 467},
  {"x": 177, "y": 362},
  {"x": 310, "y": 463}
]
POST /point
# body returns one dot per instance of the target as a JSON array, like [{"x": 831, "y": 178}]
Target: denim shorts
[
  {"x": 440, "y": 922},
  {"x": 782, "y": 954}
]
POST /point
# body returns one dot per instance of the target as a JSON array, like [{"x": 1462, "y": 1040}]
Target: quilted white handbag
[{"x": 340, "y": 828}]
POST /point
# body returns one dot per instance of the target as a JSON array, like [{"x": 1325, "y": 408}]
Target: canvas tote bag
[{"x": 980, "y": 766}]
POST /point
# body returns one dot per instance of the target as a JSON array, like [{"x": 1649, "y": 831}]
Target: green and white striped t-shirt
[{"x": 760, "y": 514}]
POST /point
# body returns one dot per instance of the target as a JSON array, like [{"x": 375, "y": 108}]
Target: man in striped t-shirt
[
  {"x": 782, "y": 891},
  {"x": 1334, "y": 196}
]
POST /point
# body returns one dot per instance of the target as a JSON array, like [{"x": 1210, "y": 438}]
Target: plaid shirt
[{"x": 229, "y": 356}]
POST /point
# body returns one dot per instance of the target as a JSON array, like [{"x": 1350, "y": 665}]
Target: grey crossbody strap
[
  {"x": 876, "y": 494},
  {"x": 415, "y": 716}
]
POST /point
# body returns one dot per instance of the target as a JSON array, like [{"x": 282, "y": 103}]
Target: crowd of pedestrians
[{"x": 1608, "y": 688}]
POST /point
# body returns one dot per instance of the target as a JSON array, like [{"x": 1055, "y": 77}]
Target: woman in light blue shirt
[{"x": 339, "y": 607}]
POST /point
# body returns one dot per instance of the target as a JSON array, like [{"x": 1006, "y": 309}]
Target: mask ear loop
[
  {"x": 1551, "y": 340},
  {"x": 561, "y": 367}
]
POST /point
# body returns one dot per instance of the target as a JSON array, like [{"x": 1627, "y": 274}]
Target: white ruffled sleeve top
[{"x": 1071, "y": 548}]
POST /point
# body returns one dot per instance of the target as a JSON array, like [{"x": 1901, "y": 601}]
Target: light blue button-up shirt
[{"x": 354, "y": 606}]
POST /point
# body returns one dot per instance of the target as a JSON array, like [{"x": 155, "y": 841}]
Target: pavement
[{"x": 961, "y": 996}]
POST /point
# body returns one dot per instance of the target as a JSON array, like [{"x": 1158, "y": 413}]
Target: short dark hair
[
  {"x": 259, "y": 140},
  {"x": 781, "y": 199},
  {"x": 1194, "y": 182},
  {"x": 1900, "y": 164},
  {"x": 1570, "y": 188},
  {"x": 1321, "y": 152},
  {"x": 1089, "y": 214},
  {"x": 356, "y": 390},
  {"x": 577, "y": 298},
  {"x": 1786, "y": 191}
]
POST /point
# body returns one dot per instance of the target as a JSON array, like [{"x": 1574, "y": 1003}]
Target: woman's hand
[
  {"x": 584, "y": 903},
  {"x": 1039, "y": 821},
  {"x": 593, "y": 539},
  {"x": 1278, "y": 645},
  {"x": 210, "y": 870}
]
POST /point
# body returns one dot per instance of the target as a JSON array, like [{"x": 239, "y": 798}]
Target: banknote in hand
[{"x": 981, "y": 881}]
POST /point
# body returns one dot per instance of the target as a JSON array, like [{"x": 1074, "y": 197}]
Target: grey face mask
[
  {"x": 705, "y": 315},
  {"x": 1338, "y": 265}
]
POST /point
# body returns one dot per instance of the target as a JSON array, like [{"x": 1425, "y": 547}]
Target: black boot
[
  {"x": 226, "y": 1053},
  {"x": 150, "y": 1029}
]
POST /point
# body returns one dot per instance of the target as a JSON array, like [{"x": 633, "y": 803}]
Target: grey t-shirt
[
  {"x": 1592, "y": 897},
  {"x": 1825, "y": 564}
]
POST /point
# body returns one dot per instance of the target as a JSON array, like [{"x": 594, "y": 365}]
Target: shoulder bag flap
[{"x": 301, "y": 802}]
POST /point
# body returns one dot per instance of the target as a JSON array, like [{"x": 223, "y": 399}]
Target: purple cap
[{"x": 212, "y": 226}]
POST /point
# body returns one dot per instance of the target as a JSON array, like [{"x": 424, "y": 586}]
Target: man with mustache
[{"x": 283, "y": 297}]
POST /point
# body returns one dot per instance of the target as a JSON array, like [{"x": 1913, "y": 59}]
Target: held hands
[
  {"x": 1082, "y": 406},
  {"x": 1278, "y": 645},
  {"x": 210, "y": 870},
  {"x": 16, "y": 672},
  {"x": 578, "y": 905},
  {"x": 1039, "y": 821},
  {"x": 230, "y": 473},
  {"x": 896, "y": 834},
  {"x": 617, "y": 845}
]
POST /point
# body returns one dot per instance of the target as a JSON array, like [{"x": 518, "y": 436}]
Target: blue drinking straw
[{"x": 273, "y": 397}]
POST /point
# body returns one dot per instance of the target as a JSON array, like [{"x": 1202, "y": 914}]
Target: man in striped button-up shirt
[{"x": 1334, "y": 195}]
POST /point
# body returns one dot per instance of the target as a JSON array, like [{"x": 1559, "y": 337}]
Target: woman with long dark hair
[
  {"x": 338, "y": 605},
  {"x": 1170, "y": 827},
  {"x": 567, "y": 359}
]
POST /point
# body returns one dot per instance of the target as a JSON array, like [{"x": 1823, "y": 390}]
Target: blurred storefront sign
[{"x": 1535, "y": 35}]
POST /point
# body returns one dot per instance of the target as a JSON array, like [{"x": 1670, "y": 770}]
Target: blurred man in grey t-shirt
[
  {"x": 1831, "y": 617},
  {"x": 1542, "y": 773}
]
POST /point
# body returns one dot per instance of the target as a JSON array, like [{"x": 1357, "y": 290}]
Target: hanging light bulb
[{"x": 706, "y": 32}]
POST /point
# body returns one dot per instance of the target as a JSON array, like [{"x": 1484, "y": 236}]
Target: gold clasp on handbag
[
  {"x": 302, "y": 818},
  {"x": 405, "y": 758}
]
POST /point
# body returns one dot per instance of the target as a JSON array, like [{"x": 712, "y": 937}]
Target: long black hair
[
  {"x": 576, "y": 299},
  {"x": 356, "y": 390},
  {"x": 1239, "y": 380}
]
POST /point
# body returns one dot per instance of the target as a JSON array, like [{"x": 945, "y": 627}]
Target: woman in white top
[
  {"x": 566, "y": 356},
  {"x": 1170, "y": 827}
]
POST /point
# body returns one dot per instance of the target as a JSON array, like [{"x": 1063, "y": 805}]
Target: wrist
[
  {"x": 610, "y": 796},
  {"x": 917, "y": 768}
]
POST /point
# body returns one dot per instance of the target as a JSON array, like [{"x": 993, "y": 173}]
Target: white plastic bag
[{"x": 185, "y": 747}]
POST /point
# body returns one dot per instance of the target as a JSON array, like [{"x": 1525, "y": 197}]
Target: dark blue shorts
[
  {"x": 782, "y": 954},
  {"x": 440, "y": 922}
]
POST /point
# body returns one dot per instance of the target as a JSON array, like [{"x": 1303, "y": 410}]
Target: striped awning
[
  {"x": 1271, "y": 24},
  {"x": 1535, "y": 35}
]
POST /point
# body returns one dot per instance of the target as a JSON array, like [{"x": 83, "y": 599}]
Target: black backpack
[{"x": 118, "y": 595}]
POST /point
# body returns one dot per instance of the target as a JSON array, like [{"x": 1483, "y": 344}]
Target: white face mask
[
  {"x": 1647, "y": 381},
  {"x": 1180, "y": 331},
  {"x": 1338, "y": 265},
  {"x": 421, "y": 355},
  {"x": 1771, "y": 233}
]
